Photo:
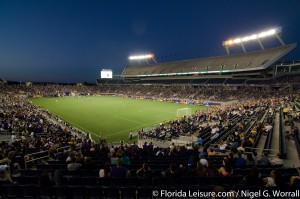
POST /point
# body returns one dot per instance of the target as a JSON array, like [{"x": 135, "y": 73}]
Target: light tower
[
  {"x": 142, "y": 57},
  {"x": 254, "y": 37}
]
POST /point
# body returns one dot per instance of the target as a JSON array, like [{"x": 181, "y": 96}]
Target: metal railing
[
  {"x": 26, "y": 160},
  {"x": 46, "y": 156}
]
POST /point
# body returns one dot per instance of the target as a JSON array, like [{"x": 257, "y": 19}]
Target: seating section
[
  {"x": 110, "y": 81},
  {"x": 173, "y": 167},
  {"x": 249, "y": 60},
  {"x": 87, "y": 184},
  {"x": 203, "y": 93}
]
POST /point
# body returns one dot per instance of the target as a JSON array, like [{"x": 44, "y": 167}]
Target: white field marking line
[{"x": 123, "y": 118}]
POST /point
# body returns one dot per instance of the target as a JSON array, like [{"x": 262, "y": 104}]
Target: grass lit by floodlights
[{"x": 111, "y": 117}]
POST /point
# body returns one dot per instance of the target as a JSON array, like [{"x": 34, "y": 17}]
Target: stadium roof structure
[{"x": 228, "y": 64}]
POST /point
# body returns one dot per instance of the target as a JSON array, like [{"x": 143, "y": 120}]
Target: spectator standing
[{"x": 285, "y": 111}]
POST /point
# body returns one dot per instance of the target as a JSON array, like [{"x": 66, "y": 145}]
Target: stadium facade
[{"x": 251, "y": 68}]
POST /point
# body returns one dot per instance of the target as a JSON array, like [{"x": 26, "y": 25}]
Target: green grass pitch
[{"x": 109, "y": 116}]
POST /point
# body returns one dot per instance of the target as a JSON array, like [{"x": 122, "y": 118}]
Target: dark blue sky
[{"x": 70, "y": 41}]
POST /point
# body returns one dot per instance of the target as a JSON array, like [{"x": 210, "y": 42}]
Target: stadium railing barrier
[{"x": 44, "y": 155}]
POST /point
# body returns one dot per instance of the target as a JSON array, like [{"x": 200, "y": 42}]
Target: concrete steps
[{"x": 275, "y": 137}]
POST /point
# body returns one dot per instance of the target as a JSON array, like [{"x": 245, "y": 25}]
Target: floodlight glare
[
  {"x": 252, "y": 37},
  {"x": 246, "y": 38},
  {"x": 271, "y": 32},
  {"x": 263, "y": 34},
  {"x": 237, "y": 40},
  {"x": 137, "y": 57}
]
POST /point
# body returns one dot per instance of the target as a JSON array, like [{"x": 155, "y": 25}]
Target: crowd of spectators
[
  {"x": 203, "y": 93},
  {"x": 54, "y": 90},
  {"x": 212, "y": 120},
  {"x": 194, "y": 161},
  {"x": 34, "y": 129},
  {"x": 31, "y": 128},
  {"x": 285, "y": 80}
]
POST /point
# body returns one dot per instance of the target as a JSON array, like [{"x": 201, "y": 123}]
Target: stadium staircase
[
  {"x": 275, "y": 143},
  {"x": 291, "y": 146},
  {"x": 260, "y": 139},
  {"x": 282, "y": 136},
  {"x": 268, "y": 141}
]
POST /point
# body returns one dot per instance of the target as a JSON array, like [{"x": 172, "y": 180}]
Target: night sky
[{"x": 71, "y": 41}]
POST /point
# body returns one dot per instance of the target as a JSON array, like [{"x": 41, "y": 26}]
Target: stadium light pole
[
  {"x": 254, "y": 37},
  {"x": 142, "y": 57}
]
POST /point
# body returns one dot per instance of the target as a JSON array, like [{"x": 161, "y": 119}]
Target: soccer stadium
[
  {"x": 223, "y": 123},
  {"x": 223, "y": 126}
]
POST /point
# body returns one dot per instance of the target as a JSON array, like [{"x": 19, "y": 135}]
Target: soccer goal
[{"x": 184, "y": 112}]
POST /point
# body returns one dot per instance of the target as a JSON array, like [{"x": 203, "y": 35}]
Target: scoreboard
[{"x": 106, "y": 74}]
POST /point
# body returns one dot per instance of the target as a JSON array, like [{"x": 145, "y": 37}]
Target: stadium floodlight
[
  {"x": 239, "y": 40},
  {"x": 254, "y": 37},
  {"x": 140, "y": 57}
]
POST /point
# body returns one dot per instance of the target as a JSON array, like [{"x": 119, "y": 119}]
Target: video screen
[{"x": 106, "y": 74}]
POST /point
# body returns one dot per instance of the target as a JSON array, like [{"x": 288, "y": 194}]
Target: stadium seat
[
  {"x": 112, "y": 192},
  {"x": 30, "y": 191},
  {"x": 128, "y": 192},
  {"x": 94, "y": 192}
]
